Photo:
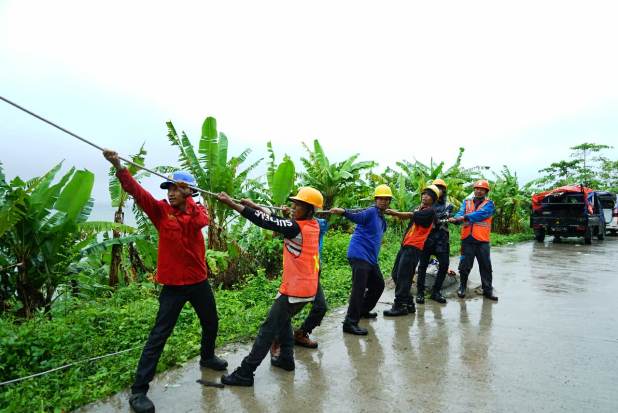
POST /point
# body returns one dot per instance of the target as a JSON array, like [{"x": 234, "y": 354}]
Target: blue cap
[{"x": 180, "y": 176}]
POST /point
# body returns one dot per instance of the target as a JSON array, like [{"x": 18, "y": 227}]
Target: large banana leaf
[
  {"x": 43, "y": 189},
  {"x": 11, "y": 213},
  {"x": 187, "y": 157},
  {"x": 282, "y": 182},
  {"x": 75, "y": 195}
]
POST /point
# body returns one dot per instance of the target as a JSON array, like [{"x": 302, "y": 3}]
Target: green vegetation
[
  {"x": 82, "y": 329},
  {"x": 71, "y": 289}
]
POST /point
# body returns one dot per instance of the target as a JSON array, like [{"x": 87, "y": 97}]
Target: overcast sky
[{"x": 515, "y": 83}]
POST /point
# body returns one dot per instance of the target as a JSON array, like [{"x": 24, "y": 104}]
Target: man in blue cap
[{"x": 181, "y": 269}]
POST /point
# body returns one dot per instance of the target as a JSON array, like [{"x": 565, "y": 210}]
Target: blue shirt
[{"x": 367, "y": 237}]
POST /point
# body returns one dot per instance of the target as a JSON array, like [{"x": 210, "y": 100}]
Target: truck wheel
[
  {"x": 539, "y": 235},
  {"x": 588, "y": 236}
]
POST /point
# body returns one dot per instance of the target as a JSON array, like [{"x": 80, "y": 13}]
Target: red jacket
[{"x": 181, "y": 252}]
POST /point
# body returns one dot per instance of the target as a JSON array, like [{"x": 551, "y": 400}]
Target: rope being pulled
[
  {"x": 94, "y": 145},
  {"x": 66, "y": 366}
]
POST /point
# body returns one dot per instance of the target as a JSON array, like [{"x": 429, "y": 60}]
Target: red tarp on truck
[{"x": 538, "y": 198}]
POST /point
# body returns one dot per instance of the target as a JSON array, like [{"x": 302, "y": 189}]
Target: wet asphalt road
[{"x": 550, "y": 344}]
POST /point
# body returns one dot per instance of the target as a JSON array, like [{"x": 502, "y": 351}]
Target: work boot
[
  {"x": 238, "y": 378},
  {"x": 410, "y": 305},
  {"x": 420, "y": 299},
  {"x": 461, "y": 292},
  {"x": 275, "y": 349},
  {"x": 437, "y": 297},
  {"x": 463, "y": 284},
  {"x": 302, "y": 339},
  {"x": 286, "y": 364},
  {"x": 490, "y": 296},
  {"x": 411, "y": 308},
  {"x": 214, "y": 363},
  {"x": 140, "y": 403},
  {"x": 369, "y": 315},
  {"x": 353, "y": 328},
  {"x": 396, "y": 311}
]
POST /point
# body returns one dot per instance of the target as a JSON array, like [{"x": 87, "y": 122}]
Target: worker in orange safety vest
[
  {"x": 299, "y": 283},
  {"x": 475, "y": 215}
]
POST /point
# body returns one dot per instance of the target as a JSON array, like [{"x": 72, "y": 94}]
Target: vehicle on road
[
  {"x": 568, "y": 211},
  {"x": 609, "y": 202}
]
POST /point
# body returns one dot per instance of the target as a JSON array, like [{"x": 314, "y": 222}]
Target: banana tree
[
  {"x": 119, "y": 199},
  {"x": 511, "y": 201},
  {"x": 38, "y": 229},
  {"x": 332, "y": 179},
  {"x": 458, "y": 179},
  {"x": 215, "y": 172}
]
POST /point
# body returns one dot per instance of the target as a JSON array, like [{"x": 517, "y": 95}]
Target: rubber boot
[{"x": 463, "y": 285}]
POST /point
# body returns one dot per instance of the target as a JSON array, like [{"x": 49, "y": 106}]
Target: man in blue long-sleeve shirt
[
  {"x": 367, "y": 279},
  {"x": 476, "y": 216}
]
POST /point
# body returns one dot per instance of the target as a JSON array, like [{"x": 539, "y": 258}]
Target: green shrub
[{"x": 81, "y": 329}]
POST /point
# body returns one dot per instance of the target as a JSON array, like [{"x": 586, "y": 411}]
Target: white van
[{"x": 609, "y": 202}]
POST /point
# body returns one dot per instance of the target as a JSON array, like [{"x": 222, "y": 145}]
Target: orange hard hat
[
  {"x": 482, "y": 183},
  {"x": 310, "y": 196},
  {"x": 440, "y": 182}
]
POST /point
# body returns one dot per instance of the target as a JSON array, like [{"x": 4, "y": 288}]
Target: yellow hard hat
[
  {"x": 482, "y": 183},
  {"x": 383, "y": 191},
  {"x": 310, "y": 196},
  {"x": 433, "y": 189},
  {"x": 440, "y": 182}
]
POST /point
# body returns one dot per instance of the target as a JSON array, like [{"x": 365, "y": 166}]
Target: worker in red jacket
[{"x": 181, "y": 268}]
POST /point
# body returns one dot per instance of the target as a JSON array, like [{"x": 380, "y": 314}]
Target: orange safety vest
[
  {"x": 480, "y": 230},
  {"x": 417, "y": 235},
  {"x": 300, "y": 273}
]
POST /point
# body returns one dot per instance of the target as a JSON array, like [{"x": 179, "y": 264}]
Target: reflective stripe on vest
[
  {"x": 300, "y": 272},
  {"x": 480, "y": 230}
]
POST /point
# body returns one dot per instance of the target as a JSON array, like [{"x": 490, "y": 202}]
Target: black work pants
[
  {"x": 317, "y": 313},
  {"x": 171, "y": 301},
  {"x": 367, "y": 287},
  {"x": 471, "y": 249},
  {"x": 443, "y": 263},
  {"x": 403, "y": 273},
  {"x": 278, "y": 324}
]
